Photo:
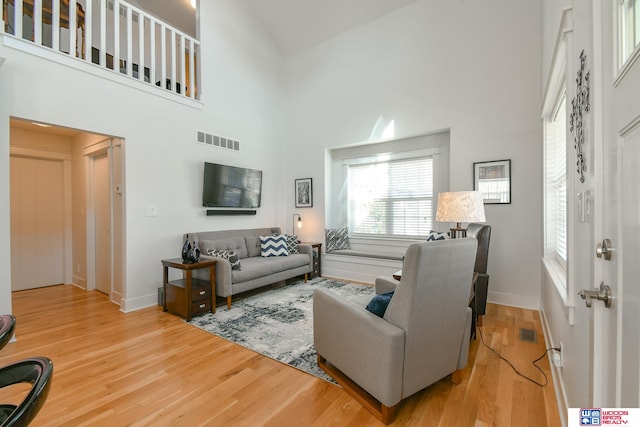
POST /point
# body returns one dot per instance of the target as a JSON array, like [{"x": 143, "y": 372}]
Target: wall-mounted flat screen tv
[{"x": 231, "y": 187}]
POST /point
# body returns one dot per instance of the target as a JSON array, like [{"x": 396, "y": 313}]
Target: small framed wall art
[
  {"x": 493, "y": 180},
  {"x": 304, "y": 193}
]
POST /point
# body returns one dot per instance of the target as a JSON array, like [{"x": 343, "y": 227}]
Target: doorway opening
[{"x": 67, "y": 208}]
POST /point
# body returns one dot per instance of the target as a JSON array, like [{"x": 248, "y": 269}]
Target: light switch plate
[{"x": 151, "y": 210}]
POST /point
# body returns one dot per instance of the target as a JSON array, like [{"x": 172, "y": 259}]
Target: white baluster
[
  {"x": 88, "y": 35},
  {"x": 116, "y": 36},
  {"x": 37, "y": 22},
  {"x": 103, "y": 33},
  {"x": 55, "y": 25},
  {"x": 17, "y": 18},
  {"x": 192, "y": 80},
  {"x": 163, "y": 55},
  {"x": 73, "y": 29},
  {"x": 129, "y": 42},
  {"x": 173, "y": 59},
  {"x": 152, "y": 47}
]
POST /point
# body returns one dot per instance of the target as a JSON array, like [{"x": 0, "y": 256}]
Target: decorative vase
[
  {"x": 194, "y": 253},
  {"x": 190, "y": 251},
  {"x": 186, "y": 248}
]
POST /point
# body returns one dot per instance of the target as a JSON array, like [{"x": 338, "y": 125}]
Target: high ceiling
[
  {"x": 293, "y": 24},
  {"x": 298, "y": 24}
]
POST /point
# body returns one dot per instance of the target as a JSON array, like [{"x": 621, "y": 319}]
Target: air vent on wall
[{"x": 217, "y": 141}]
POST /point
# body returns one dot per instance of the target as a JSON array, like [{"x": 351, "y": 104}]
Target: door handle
[
  {"x": 604, "y": 249},
  {"x": 604, "y": 294}
]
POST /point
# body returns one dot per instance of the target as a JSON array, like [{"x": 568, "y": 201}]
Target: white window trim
[{"x": 560, "y": 77}]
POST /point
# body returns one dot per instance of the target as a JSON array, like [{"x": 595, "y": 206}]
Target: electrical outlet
[{"x": 557, "y": 357}]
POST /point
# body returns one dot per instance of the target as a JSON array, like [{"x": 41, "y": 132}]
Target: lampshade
[{"x": 460, "y": 206}]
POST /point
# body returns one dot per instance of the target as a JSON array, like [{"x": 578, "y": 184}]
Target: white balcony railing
[{"x": 130, "y": 41}]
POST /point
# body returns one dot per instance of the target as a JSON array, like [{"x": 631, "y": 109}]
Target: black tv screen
[{"x": 231, "y": 187}]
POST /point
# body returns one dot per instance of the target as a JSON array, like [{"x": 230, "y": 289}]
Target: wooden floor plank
[{"x": 150, "y": 368}]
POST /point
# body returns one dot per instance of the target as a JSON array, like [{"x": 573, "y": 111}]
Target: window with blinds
[
  {"x": 391, "y": 198},
  {"x": 556, "y": 184}
]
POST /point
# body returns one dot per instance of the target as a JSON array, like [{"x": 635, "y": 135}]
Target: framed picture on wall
[
  {"x": 304, "y": 193},
  {"x": 493, "y": 180}
]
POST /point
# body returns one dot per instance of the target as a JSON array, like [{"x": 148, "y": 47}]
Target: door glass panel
[{"x": 628, "y": 29}]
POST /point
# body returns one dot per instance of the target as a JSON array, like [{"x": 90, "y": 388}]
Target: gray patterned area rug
[{"x": 278, "y": 323}]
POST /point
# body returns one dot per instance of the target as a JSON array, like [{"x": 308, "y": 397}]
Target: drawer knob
[
  {"x": 202, "y": 292},
  {"x": 203, "y": 305}
]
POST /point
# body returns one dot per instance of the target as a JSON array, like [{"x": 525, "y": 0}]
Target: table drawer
[
  {"x": 199, "y": 307},
  {"x": 200, "y": 292}
]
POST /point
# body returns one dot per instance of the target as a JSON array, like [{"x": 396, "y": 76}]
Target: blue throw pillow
[
  {"x": 378, "y": 304},
  {"x": 275, "y": 245}
]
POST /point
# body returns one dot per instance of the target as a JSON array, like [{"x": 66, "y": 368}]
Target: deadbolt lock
[{"x": 604, "y": 249}]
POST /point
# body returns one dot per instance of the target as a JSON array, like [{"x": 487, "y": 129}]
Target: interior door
[
  {"x": 37, "y": 223},
  {"x": 616, "y": 341},
  {"x": 102, "y": 210}
]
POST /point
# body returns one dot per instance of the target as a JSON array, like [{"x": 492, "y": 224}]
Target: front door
[
  {"x": 37, "y": 223},
  {"x": 616, "y": 341}
]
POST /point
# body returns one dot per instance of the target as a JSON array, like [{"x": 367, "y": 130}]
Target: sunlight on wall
[
  {"x": 383, "y": 129},
  {"x": 390, "y": 131}
]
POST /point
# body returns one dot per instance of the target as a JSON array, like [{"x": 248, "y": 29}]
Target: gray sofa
[{"x": 255, "y": 271}]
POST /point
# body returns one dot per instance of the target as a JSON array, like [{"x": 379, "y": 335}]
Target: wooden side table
[
  {"x": 189, "y": 296},
  {"x": 317, "y": 261}
]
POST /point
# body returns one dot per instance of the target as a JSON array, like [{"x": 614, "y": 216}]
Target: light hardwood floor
[{"x": 150, "y": 368}]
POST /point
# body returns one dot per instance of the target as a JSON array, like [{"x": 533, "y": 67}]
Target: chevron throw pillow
[
  {"x": 337, "y": 238},
  {"x": 436, "y": 235},
  {"x": 228, "y": 255},
  {"x": 275, "y": 245},
  {"x": 292, "y": 244}
]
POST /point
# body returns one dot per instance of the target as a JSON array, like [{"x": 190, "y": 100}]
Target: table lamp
[{"x": 459, "y": 207}]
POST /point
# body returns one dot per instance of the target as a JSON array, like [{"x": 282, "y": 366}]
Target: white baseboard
[
  {"x": 520, "y": 301},
  {"x": 133, "y": 304},
  {"x": 556, "y": 373},
  {"x": 79, "y": 282}
]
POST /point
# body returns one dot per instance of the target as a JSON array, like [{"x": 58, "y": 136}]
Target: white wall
[
  {"x": 242, "y": 98},
  {"x": 472, "y": 67}
]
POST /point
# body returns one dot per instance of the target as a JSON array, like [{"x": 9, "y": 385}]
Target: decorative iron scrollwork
[{"x": 580, "y": 106}]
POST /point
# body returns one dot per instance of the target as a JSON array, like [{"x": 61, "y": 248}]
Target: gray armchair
[{"x": 423, "y": 337}]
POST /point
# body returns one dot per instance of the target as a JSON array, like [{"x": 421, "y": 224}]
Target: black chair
[
  {"x": 7, "y": 326},
  {"x": 37, "y": 371},
  {"x": 482, "y": 233}
]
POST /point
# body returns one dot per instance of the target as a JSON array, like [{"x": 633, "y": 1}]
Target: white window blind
[
  {"x": 556, "y": 184},
  {"x": 391, "y": 198}
]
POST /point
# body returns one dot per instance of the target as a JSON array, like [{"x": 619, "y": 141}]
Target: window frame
[{"x": 561, "y": 74}]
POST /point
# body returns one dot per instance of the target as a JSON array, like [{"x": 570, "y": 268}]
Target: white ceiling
[
  {"x": 297, "y": 24},
  {"x": 292, "y": 24}
]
